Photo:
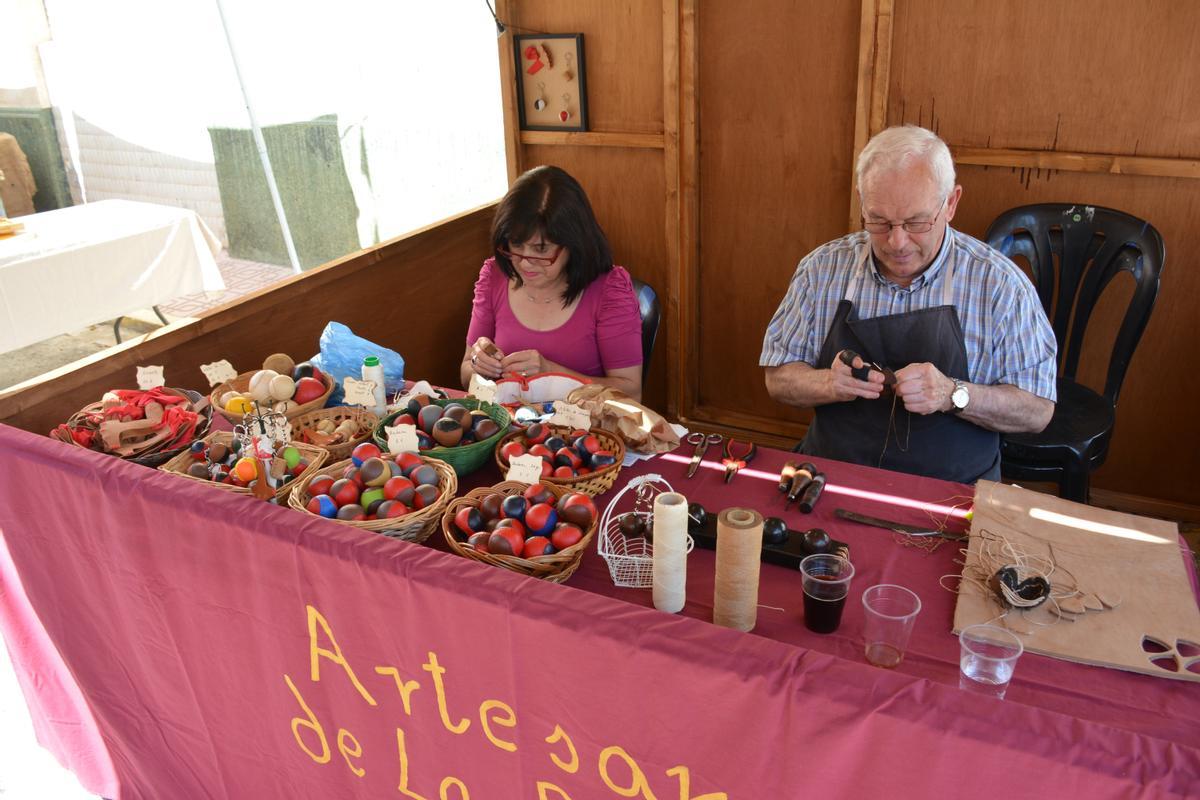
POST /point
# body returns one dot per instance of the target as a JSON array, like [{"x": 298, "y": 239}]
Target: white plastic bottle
[{"x": 372, "y": 370}]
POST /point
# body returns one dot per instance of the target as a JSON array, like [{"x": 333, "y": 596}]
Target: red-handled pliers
[{"x": 737, "y": 455}]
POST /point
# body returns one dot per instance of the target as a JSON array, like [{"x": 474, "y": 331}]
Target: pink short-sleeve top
[{"x": 604, "y": 332}]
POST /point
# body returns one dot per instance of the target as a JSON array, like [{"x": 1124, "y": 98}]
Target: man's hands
[
  {"x": 845, "y": 386},
  {"x": 923, "y": 388}
]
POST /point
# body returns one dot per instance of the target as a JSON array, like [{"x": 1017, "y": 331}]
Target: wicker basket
[
  {"x": 465, "y": 458},
  {"x": 366, "y": 423},
  {"x": 556, "y": 567},
  {"x": 159, "y": 454},
  {"x": 241, "y": 385},
  {"x": 415, "y": 526},
  {"x": 595, "y": 483},
  {"x": 179, "y": 464}
]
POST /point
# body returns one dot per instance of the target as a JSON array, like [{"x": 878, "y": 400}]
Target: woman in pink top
[{"x": 551, "y": 300}]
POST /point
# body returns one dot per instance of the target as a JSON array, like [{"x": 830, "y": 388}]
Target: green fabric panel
[
  {"x": 37, "y": 134},
  {"x": 306, "y": 158}
]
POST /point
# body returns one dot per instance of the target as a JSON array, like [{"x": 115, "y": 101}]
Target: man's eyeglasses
[
  {"x": 912, "y": 226},
  {"x": 537, "y": 261}
]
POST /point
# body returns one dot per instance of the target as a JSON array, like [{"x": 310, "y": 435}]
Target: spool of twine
[
  {"x": 739, "y": 547},
  {"x": 670, "y": 552}
]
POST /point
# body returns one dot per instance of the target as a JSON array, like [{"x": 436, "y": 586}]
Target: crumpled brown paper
[{"x": 642, "y": 429}]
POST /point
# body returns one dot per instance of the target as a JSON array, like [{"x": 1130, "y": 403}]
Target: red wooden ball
[{"x": 565, "y": 535}]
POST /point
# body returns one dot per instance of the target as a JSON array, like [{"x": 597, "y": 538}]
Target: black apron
[{"x": 940, "y": 445}]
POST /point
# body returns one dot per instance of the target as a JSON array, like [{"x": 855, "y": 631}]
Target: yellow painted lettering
[
  {"x": 437, "y": 671},
  {"x": 545, "y": 786},
  {"x": 637, "y": 780},
  {"x": 403, "y": 787},
  {"x": 571, "y": 766},
  {"x": 509, "y": 720},
  {"x": 334, "y": 655},
  {"x": 685, "y": 786},
  {"x": 449, "y": 781},
  {"x": 406, "y": 688},
  {"x": 349, "y": 747},
  {"x": 310, "y": 723}
]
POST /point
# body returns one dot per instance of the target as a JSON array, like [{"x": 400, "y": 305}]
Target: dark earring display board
[{"x": 551, "y": 90}]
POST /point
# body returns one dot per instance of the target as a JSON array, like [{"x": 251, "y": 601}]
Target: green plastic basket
[{"x": 465, "y": 458}]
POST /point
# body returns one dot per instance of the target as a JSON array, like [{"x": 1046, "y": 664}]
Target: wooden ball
[
  {"x": 279, "y": 362},
  {"x": 282, "y": 387},
  {"x": 260, "y": 384}
]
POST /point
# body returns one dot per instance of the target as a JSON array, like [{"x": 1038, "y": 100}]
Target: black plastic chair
[
  {"x": 1075, "y": 251},
  {"x": 650, "y": 312}
]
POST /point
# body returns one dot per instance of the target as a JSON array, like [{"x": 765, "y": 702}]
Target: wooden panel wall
[
  {"x": 762, "y": 107},
  {"x": 412, "y": 294},
  {"x": 1082, "y": 77}
]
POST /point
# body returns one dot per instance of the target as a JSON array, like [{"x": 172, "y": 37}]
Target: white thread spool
[
  {"x": 670, "y": 552},
  {"x": 739, "y": 549}
]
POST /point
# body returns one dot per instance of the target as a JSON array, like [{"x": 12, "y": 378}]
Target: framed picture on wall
[{"x": 551, "y": 91}]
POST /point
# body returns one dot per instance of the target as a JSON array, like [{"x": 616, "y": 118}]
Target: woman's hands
[
  {"x": 486, "y": 360},
  {"x": 524, "y": 363}
]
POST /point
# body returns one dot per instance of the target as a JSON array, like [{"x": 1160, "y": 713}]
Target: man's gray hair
[{"x": 899, "y": 146}]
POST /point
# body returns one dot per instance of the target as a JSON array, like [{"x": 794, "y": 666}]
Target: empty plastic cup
[
  {"x": 889, "y": 612},
  {"x": 987, "y": 657}
]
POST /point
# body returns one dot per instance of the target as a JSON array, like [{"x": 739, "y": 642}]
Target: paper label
[
  {"x": 401, "y": 438},
  {"x": 570, "y": 416},
  {"x": 420, "y": 387},
  {"x": 150, "y": 377},
  {"x": 524, "y": 469},
  {"x": 218, "y": 372},
  {"x": 482, "y": 389},
  {"x": 359, "y": 393}
]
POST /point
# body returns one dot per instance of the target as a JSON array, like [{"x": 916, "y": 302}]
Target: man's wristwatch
[{"x": 959, "y": 397}]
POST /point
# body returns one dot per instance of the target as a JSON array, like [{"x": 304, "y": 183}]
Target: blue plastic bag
[{"x": 342, "y": 354}]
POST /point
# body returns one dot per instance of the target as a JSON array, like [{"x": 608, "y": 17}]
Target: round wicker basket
[
  {"x": 595, "y": 483},
  {"x": 465, "y": 458},
  {"x": 415, "y": 526},
  {"x": 556, "y": 567},
  {"x": 152, "y": 456},
  {"x": 179, "y": 464},
  {"x": 366, "y": 425},
  {"x": 241, "y": 385}
]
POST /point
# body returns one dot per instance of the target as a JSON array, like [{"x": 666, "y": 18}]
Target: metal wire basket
[{"x": 631, "y": 560}]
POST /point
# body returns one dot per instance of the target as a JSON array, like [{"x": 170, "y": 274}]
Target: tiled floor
[{"x": 241, "y": 278}]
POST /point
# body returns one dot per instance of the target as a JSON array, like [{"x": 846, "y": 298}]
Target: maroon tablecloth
[{"x": 228, "y": 649}]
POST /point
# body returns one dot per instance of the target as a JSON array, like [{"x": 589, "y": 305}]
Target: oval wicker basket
[
  {"x": 179, "y": 464},
  {"x": 158, "y": 454},
  {"x": 556, "y": 567},
  {"x": 595, "y": 483},
  {"x": 416, "y": 526},
  {"x": 241, "y": 385},
  {"x": 465, "y": 458},
  {"x": 366, "y": 424}
]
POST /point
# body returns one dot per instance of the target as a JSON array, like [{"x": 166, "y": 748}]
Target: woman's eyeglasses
[
  {"x": 537, "y": 261},
  {"x": 913, "y": 226}
]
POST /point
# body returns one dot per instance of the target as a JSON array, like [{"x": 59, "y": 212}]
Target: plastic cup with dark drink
[{"x": 826, "y": 580}]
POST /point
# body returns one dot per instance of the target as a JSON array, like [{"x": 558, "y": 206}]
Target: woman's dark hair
[{"x": 548, "y": 201}]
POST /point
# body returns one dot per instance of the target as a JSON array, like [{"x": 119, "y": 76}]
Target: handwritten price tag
[
  {"x": 570, "y": 416},
  {"x": 524, "y": 469},
  {"x": 482, "y": 389},
  {"x": 402, "y": 438},
  {"x": 359, "y": 393},
  {"x": 218, "y": 372},
  {"x": 150, "y": 377}
]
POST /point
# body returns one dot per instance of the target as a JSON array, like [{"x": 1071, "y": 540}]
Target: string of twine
[{"x": 894, "y": 429}]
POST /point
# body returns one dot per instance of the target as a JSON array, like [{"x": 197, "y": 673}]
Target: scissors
[
  {"x": 701, "y": 442},
  {"x": 737, "y": 455}
]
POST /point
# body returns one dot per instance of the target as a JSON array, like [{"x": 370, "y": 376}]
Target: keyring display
[{"x": 551, "y": 94}]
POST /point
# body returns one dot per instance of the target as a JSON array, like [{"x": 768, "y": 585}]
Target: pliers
[{"x": 737, "y": 455}]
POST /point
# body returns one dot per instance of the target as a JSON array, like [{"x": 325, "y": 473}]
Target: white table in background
[{"x": 77, "y": 266}]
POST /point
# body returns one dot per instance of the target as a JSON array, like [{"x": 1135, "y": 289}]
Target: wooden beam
[
  {"x": 672, "y": 222},
  {"x": 874, "y": 69},
  {"x": 1078, "y": 162},
  {"x": 685, "y": 293},
  {"x": 506, "y": 11},
  {"x": 651, "y": 141}
]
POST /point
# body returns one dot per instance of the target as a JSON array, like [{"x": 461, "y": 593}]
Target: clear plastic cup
[
  {"x": 987, "y": 658},
  {"x": 889, "y": 612}
]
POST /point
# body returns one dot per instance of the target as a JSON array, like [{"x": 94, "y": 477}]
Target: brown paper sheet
[
  {"x": 1130, "y": 562},
  {"x": 642, "y": 429}
]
